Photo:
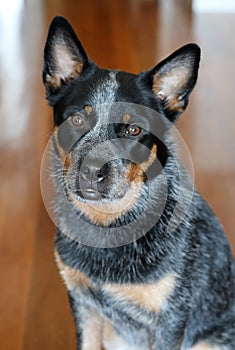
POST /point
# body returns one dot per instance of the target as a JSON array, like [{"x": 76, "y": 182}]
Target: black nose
[{"x": 92, "y": 172}]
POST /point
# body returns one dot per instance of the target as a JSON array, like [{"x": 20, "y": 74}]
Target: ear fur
[
  {"x": 64, "y": 56},
  {"x": 173, "y": 79}
]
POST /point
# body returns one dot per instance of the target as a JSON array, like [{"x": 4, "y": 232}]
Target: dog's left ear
[
  {"x": 173, "y": 79},
  {"x": 64, "y": 57}
]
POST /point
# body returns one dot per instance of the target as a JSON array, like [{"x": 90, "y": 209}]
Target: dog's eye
[
  {"x": 78, "y": 120},
  {"x": 133, "y": 130}
]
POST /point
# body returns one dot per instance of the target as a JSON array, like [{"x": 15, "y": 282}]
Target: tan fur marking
[
  {"x": 126, "y": 118},
  {"x": 59, "y": 149},
  {"x": 78, "y": 69},
  {"x": 88, "y": 109},
  {"x": 145, "y": 165},
  {"x": 113, "y": 341},
  {"x": 110, "y": 337},
  {"x": 148, "y": 296},
  {"x": 157, "y": 86},
  {"x": 72, "y": 278},
  {"x": 136, "y": 171},
  {"x": 92, "y": 331},
  {"x": 206, "y": 346},
  {"x": 176, "y": 105},
  {"x": 106, "y": 213},
  {"x": 53, "y": 81},
  {"x": 67, "y": 162}
]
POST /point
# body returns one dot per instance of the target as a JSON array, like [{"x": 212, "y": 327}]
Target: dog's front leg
[
  {"x": 88, "y": 323},
  {"x": 168, "y": 334},
  {"x": 166, "y": 343}
]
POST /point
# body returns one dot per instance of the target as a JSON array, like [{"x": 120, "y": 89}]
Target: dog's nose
[{"x": 92, "y": 172}]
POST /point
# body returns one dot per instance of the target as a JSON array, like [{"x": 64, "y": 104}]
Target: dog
[{"x": 147, "y": 287}]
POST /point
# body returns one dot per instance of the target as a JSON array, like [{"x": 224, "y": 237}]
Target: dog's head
[{"x": 105, "y": 131}]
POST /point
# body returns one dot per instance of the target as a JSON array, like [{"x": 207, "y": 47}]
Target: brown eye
[
  {"x": 133, "y": 130},
  {"x": 77, "y": 120}
]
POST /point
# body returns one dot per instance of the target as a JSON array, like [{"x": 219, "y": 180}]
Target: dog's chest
[{"x": 138, "y": 301}]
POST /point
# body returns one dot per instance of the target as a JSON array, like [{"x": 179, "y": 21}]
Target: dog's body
[{"x": 164, "y": 290}]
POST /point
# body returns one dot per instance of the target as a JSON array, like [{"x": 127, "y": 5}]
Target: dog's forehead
[
  {"x": 104, "y": 90},
  {"x": 103, "y": 94},
  {"x": 109, "y": 94}
]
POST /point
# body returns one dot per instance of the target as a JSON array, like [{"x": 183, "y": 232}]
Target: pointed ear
[
  {"x": 64, "y": 56},
  {"x": 173, "y": 79}
]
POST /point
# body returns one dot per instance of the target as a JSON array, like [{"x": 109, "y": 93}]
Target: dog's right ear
[{"x": 64, "y": 57}]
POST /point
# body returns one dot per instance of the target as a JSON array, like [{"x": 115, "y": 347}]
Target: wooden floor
[{"x": 126, "y": 34}]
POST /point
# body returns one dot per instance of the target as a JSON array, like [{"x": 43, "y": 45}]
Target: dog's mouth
[
  {"x": 91, "y": 194},
  {"x": 105, "y": 192}
]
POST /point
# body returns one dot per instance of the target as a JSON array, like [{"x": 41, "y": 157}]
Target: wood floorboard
[{"x": 132, "y": 35}]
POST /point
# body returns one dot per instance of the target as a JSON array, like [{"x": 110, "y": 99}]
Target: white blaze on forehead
[{"x": 104, "y": 95}]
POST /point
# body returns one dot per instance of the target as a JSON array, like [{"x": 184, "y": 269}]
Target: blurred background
[{"x": 131, "y": 35}]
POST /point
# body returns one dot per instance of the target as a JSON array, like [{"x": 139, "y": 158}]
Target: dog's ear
[
  {"x": 64, "y": 56},
  {"x": 173, "y": 79}
]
